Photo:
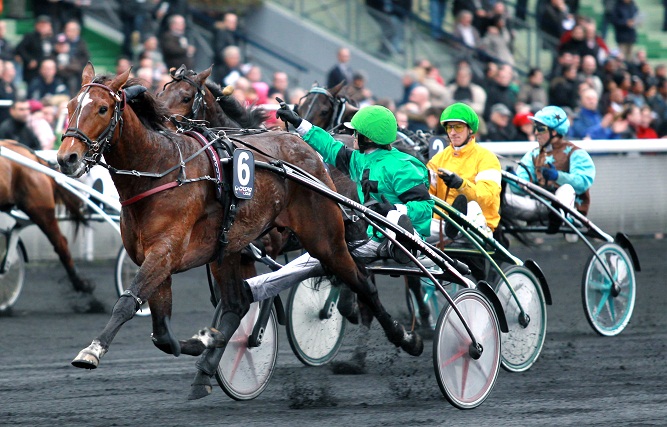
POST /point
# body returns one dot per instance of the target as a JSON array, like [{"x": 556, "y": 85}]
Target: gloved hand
[
  {"x": 285, "y": 114},
  {"x": 382, "y": 207},
  {"x": 550, "y": 173},
  {"x": 450, "y": 179}
]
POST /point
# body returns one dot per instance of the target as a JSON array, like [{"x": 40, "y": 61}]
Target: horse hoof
[
  {"x": 201, "y": 387},
  {"x": 86, "y": 360},
  {"x": 197, "y": 391},
  {"x": 413, "y": 345}
]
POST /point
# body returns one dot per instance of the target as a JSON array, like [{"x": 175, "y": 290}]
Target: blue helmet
[{"x": 554, "y": 118}]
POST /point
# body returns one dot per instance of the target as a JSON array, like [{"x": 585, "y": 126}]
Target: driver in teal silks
[{"x": 398, "y": 182}]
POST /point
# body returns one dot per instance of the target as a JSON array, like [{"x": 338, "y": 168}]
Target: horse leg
[
  {"x": 155, "y": 270},
  {"x": 163, "y": 336},
  {"x": 233, "y": 305},
  {"x": 45, "y": 219},
  {"x": 415, "y": 286}
]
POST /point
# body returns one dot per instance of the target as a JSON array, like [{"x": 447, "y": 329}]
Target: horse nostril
[{"x": 72, "y": 159}]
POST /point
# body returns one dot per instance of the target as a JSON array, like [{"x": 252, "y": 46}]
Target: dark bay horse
[
  {"x": 330, "y": 109},
  {"x": 37, "y": 195},
  {"x": 190, "y": 95},
  {"x": 170, "y": 231}
]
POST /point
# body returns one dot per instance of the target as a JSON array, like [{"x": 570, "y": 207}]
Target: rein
[{"x": 96, "y": 148}]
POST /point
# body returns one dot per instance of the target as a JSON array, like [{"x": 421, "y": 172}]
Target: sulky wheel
[
  {"x": 466, "y": 378},
  {"x": 315, "y": 328},
  {"x": 11, "y": 281},
  {"x": 522, "y": 345},
  {"x": 244, "y": 372},
  {"x": 609, "y": 301}
]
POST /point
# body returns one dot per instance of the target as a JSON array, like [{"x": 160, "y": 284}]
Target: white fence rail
[{"x": 629, "y": 194}]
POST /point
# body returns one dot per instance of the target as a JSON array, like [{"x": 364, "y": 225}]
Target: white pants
[
  {"x": 526, "y": 208},
  {"x": 304, "y": 267},
  {"x": 475, "y": 216}
]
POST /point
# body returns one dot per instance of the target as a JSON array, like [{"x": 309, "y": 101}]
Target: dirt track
[{"x": 580, "y": 378}]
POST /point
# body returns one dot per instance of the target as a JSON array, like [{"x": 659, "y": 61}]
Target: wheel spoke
[
  {"x": 601, "y": 303},
  {"x": 464, "y": 377}
]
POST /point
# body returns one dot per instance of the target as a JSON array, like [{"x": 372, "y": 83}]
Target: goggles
[
  {"x": 540, "y": 128},
  {"x": 457, "y": 127}
]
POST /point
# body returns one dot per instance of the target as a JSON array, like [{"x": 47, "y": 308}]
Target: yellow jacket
[{"x": 480, "y": 170}]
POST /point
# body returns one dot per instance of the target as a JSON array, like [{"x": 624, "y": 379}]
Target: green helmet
[
  {"x": 460, "y": 112},
  {"x": 376, "y": 123}
]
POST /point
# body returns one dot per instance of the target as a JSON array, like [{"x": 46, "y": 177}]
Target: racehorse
[
  {"x": 330, "y": 109},
  {"x": 326, "y": 108},
  {"x": 37, "y": 195},
  {"x": 173, "y": 222},
  {"x": 190, "y": 95}
]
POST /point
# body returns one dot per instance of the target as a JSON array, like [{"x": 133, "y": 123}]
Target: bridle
[
  {"x": 199, "y": 102},
  {"x": 338, "y": 104},
  {"x": 101, "y": 145}
]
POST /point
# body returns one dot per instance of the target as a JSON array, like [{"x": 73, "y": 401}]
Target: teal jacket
[{"x": 398, "y": 176}]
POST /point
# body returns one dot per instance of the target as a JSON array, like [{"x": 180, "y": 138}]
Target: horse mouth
[{"x": 73, "y": 171}]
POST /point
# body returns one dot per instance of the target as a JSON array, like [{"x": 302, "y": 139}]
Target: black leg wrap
[
  {"x": 125, "y": 307},
  {"x": 209, "y": 360}
]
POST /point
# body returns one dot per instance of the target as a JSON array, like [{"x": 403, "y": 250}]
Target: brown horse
[
  {"x": 190, "y": 95},
  {"x": 37, "y": 194},
  {"x": 177, "y": 229},
  {"x": 330, "y": 109},
  {"x": 327, "y": 108}
]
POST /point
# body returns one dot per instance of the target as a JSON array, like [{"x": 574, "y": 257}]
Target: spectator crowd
[{"x": 606, "y": 93}]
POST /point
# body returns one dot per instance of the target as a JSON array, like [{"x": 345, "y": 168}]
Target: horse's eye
[
  {"x": 103, "y": 110},
  {"x": 187, "y": 99}
]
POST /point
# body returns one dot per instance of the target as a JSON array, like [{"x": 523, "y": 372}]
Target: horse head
[
  {"x": 93, "y": 118},
  {"x": 326, "y": 108},
  {"x": 189, "y": 95},
  {"x": 185, "y": 95}
]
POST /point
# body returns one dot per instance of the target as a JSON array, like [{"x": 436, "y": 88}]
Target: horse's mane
[
  {"x": 150, "y": 110},
  {"x": 245, "y": 117}
]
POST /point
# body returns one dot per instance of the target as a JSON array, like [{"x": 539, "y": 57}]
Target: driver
[
  {"x": 469, "y": 173},
  {"x": 556, "y": 165},
  {"x": 396, "y": 181}
]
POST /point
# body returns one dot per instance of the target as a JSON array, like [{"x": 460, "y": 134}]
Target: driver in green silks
[{"x": 397, "y": 181}]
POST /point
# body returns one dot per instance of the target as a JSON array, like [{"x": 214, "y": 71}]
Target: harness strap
[{"x": 150, "y": 192}]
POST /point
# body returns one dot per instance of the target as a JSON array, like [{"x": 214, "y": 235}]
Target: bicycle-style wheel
[
  {"x": 244, "y": 372},
  {"x": 126, "y": 269},
  {"x": 314, "y": 330},
  {"x": 11, "y": 281},
  {"x": 464, "y": 381},
  {"x": 522, "y": 345},
  {"x": 608, "y": 309}
]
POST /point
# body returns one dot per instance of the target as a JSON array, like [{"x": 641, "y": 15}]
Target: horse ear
[
  {"x": 201, "y": 77},
  {"x": 88, "y": 74},
  {"x": 120, "y": 80},
  {"x": 334, "y": 90}
]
